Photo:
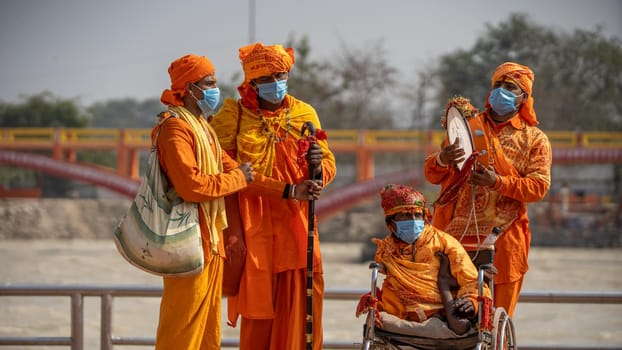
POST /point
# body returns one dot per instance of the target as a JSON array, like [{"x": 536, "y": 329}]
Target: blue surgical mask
[
  {"x": 502, "y": 101},
  {"x": 273, "y": 92},
  {"x": 210, "y": 102},
  {"x": 409, "y": 230}
]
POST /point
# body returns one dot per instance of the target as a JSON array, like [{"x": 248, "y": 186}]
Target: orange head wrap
[
  {"x": 187, "y": 69},
  {"x": 400, "y": 198},
  {"x": 259, "y": 60},
  {"x": 523, "y": 77}
]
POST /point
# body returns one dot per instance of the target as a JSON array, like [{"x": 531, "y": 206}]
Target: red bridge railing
[{"x": 568, "y": 147}]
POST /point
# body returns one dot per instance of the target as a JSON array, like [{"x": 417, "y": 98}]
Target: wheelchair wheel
[{"x": 503, "y": 335}]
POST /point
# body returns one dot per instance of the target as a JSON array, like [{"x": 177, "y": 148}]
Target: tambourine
[{"x": 461, "y": 122}]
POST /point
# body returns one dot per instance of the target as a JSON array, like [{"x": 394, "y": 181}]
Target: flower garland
[
  {"x": 305, "y": 143},
  {"x": 272, "y": 135},
  {"x": 464, "y": 106}
]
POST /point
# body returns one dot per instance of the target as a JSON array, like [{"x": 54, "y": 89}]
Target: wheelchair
[{"x": 493, "y": 328}]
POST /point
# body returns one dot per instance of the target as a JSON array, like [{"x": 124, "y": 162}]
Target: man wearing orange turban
[
  {"x": 201, "y": 172},
  {"x": 518, "y": 172},
  {"x": 423, "y": 265},
  {"x": 264, "y": 127}
]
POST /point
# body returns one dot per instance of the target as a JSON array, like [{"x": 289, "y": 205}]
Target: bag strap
[
  {"x": 163, "y": 117},
  {"x": 237, "y": 129},
  {"x": 239, "y": 117}
]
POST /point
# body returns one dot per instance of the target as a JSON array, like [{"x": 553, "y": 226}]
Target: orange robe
[
  {"x": 410, "y": 290},
  {"x": 522, "y": 155},
  {"x": 272, "y": 297},
  {"x": 190, "y": 309}
]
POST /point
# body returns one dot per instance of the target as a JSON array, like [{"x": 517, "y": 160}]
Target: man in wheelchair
[{"x": 431, "y": 284}]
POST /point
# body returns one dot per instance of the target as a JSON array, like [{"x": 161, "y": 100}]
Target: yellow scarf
[
  {"x": 256, "y": 146},
  {"x": 412, "y": 280},
  {"x": 213, "y": 210}
]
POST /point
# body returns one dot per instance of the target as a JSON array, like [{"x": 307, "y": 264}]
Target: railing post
[
  {"x": 72, "y": 155},
  {"x": 364, "y": 160},
  {"x": 134, "y": 164},
  {"x": 70, "y": 152},
  {"x": 364, "y": 164},
  {"x": 106, "y": 322},
  {"x": 77, "y": 321},
  {"x": 428, "y": 143},
  {"x": 580, "y": 139},
  {"x": 122, "y": 155},
  {"x": 57, "y": 151}
]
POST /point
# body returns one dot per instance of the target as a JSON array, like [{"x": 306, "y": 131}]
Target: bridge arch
[
  {"x": 330, "y": 204},
  {"x": 71, "y": 170}
]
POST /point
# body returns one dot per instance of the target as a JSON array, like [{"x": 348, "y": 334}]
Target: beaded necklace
[{"x": 272, "y": 135}]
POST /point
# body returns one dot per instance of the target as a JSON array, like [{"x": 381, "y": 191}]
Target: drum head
[{"x": 458, "y": 127}]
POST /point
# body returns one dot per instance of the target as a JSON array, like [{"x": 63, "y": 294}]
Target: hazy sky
[{"x": 98, "y": 50}]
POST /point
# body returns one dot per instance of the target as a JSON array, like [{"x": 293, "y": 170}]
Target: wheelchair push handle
[{"x": 489, "y": 242}]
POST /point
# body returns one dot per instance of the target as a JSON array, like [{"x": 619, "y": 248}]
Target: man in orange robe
[
  {"x": 264, "y": 128},
  {"x": 428, "y": 272},
  {"x": 201, "y": 172},
  {"x": 495, "y": 196}
]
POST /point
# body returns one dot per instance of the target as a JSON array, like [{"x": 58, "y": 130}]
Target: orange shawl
[{"x": 411, "y": 285}]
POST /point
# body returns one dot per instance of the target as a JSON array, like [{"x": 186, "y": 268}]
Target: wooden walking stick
[
  {"x": 304, "y": 146},
  {"x": 310, "y": 241}
]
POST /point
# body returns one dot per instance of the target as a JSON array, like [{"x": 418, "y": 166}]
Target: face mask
[
  {"x": 502, "y": 101},
  {"x": 409, "y": 230},
  {"x": 273, "y": 92},
  {"x": 210, "y": 102}
]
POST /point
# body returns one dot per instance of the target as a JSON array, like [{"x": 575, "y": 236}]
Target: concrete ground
[{"x": 86, "y": 262}]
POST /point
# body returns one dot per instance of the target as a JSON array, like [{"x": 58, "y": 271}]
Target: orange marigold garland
[
  {"x": 464, "y": 106},
  {"x": 487, "y": 313}
]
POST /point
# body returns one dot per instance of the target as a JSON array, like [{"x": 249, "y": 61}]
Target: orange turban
[
  {"x": 523, "y": 77},
  {"x": 259, "y": 60},
  {"x": 400, "y": 198},
  {"x": 187, "y": 69}
]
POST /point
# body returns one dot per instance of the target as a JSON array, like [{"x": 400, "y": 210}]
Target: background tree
[
  {"x": 43, "y": 110},
  {"x": 584, "y": 83},
  {"x": 306, "y": 78},
  {"x": 126, "y": 113},
  {"x": 578, "y": 76},
  {"x": 417, "y": 94},
  {"x": 350, "y": 90},
  {"x": 364, "y": 82}
]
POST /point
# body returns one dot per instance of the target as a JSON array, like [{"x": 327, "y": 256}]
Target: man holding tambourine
[{"x": 491, "y": 164}]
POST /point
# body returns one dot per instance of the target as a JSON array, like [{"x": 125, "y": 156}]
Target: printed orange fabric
[
  {"x": 410, "y": 290},
  {"x": 522, "y": 155},
  {"x": 400, "y": 198},
  {"x": 176, "y": 147},
  {"x": 259, "y": 60},
  {"x": 275, "y": 228}
]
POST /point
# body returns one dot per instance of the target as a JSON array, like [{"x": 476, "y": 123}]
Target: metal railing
[
  {"x": 102, "y": 138},
  {"x": 77, "y": 293}
]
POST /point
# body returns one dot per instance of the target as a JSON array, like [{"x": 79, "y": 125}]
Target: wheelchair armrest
[
  {"x": 489, "y": 268},
  {"x": 375, "y": 269},
  {"x": 485, "y": 275}
]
